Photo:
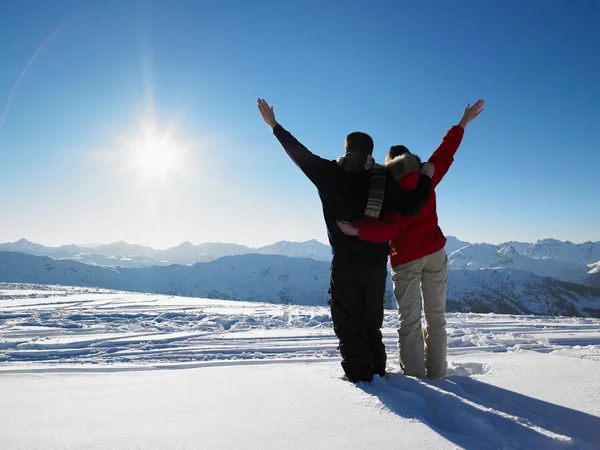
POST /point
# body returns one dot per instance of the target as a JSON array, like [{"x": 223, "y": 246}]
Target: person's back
[
  {"x": 345, "y": 199},
  {"x": 421, "y": 235},
  {"x": 420, "y": 268}
]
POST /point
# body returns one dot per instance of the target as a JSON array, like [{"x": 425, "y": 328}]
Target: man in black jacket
[{"x": 352, "y": 188}]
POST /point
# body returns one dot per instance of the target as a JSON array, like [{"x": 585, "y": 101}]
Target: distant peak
[
  {"x": 313, "y": 242},
  {"x": 309, "y": 242},
  {"x": 549, "y": 241},
  {"x": 506, "y": 250}
]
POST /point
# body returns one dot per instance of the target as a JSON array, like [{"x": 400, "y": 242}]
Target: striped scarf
[
  {"x": 376, "y": 192},
  {"x": 357, "y": 162}
]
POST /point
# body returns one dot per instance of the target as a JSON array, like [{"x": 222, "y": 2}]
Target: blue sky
[{"x": 401, "y": 71}]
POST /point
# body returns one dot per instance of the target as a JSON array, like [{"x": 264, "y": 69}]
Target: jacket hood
[{"x": 402, "y": 165}]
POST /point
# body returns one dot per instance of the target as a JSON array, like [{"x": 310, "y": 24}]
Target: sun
[
  {"x": 154, "y": 153},
  {"x": 156, "y": 158}
]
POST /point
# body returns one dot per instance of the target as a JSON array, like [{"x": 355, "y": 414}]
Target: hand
[
  {"x": 347, "y": 228},
  {"x": 471, "y": 112},
  {"x": 267, "y": 113},
  {"x": 428, "y": 169}
]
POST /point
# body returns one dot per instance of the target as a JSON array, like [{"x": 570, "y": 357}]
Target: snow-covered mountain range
[
  {"x": 129, "y": 255},
  {"x": 483, "y": 256},
  {"x": 548, "y": 257},
  {"x": 279, "y": 279},
  {"x": 587, "y": 253},
  {"x": 564, "y": 261},
  {"x": 269, "y": 278},
  {"x": 545, "y": 277}
]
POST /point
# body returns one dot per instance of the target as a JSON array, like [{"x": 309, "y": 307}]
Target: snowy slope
[
  {"x": 520, "y": 247},
  {"x": 111, "y": 260},
  {"x": 593, "y": 277},
  {"x": 278, "y": 279},
  {"x": 250, "y": 277},
  {"x": 87, "y": 369},
  {"x": 513, "y": 291},
  {"x": 483, "y": 256},
  {"x": 453, "y": 244},
  {"x": 22, "y": 267},
  {"x": 593, "y": 280}
]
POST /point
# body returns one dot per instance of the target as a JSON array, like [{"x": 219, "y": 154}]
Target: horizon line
[{"x": 123, "y": 242}]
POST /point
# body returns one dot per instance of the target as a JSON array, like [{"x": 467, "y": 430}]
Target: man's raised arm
[{"x": 314, "y": 167}]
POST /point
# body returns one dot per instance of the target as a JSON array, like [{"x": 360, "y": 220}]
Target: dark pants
[{"x": 356, "y": 298}]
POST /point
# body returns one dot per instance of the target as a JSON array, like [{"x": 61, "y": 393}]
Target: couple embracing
[{"x": 372, "y": 212}]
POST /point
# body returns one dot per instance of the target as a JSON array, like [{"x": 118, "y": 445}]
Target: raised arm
[
  {"x": 470, "y": 113},
  {"x": 443, "y": 157},
  {"x": 314, "y": 167}
]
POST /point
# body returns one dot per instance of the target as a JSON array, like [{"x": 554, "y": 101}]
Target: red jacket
[{"x": 413, "y": 238}]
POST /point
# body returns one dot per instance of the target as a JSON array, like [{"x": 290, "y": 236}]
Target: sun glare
[
  {"x": 155, "y": 154},
  {"x": 155, "y": 158}
]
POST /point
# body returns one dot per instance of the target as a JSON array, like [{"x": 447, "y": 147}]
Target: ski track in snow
[{"x": 44, "y": 327}]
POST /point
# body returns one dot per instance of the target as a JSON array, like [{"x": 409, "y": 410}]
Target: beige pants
[{"x": 429, "y": 276}]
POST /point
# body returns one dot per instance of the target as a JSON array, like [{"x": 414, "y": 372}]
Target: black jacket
[{"x": 344, "y": 196}]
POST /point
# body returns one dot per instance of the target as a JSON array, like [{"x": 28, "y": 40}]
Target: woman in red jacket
[{"x": 419, "y": 262}]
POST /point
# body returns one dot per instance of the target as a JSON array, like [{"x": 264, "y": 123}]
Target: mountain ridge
[{"x": 187, "y": 253}]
